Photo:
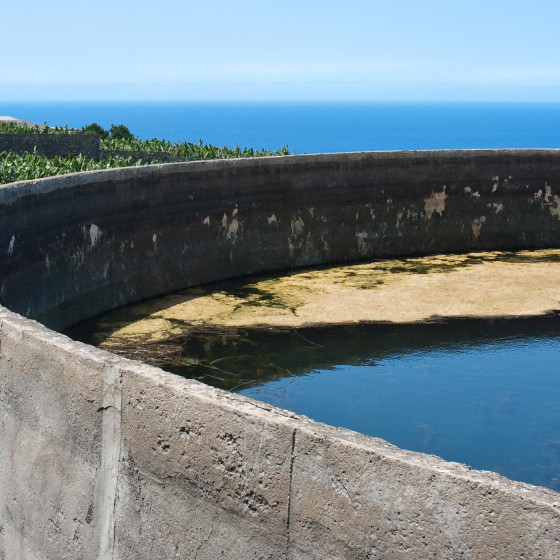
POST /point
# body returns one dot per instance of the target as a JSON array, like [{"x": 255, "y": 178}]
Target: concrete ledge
[{"x": 103, "y": 457}]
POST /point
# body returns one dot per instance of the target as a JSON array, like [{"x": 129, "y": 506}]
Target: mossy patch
[{"x": 489, "y": 284}]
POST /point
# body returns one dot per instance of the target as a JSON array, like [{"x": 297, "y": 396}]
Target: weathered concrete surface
[
  {"x": 101, "y": 457},
  {"x": 96, "y": 240},
  {"x": 113, "y": 459},
  {"x": 356, "y": 498},
  {"x": 51, "y": 450},
  {"x": 475, "y": 285}
]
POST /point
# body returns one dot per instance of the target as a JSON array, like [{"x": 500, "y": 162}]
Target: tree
[
  {"x": 121, "y": 132},
  {"x": 95, "y": 128}
]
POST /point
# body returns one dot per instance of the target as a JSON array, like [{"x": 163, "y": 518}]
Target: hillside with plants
[{"x": 119, "y": 148}]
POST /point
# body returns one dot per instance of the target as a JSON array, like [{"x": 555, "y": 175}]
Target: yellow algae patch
[{"x": 490, "y": 284}]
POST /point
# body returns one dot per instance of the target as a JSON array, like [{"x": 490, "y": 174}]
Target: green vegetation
[
  {"x": 95, "y": 128},
  {"x": 120, "y": 138},
  {"x": 121, "y": 132},
  {"x": 34, "y": 166},
  {"x": 14, "y": 128},
  {"x": 187, "y": 150},
  {"x": 124, "y": 150}
]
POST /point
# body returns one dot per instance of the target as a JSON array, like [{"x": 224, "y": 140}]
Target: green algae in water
[{"x": 492, "y": 284}]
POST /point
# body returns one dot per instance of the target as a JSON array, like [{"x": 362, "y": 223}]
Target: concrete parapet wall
[{"x": 103, "y": 457}]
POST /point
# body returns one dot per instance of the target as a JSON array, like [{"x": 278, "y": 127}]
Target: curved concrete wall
[{"x": 103, "y": 457}]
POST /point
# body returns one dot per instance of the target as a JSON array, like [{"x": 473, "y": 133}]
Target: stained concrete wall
[
  {"x": 103, "y": 457},
  {"x": 51, "y": 145}
]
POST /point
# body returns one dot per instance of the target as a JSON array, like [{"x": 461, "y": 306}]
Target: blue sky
[{"x": 396, "y": 50}]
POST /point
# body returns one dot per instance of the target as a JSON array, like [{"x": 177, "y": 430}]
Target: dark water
[
  {"x": 316, "y": 127},
  {"x": 484, "y": 393}
]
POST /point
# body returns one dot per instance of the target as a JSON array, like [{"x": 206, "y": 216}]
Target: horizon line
[{"x": 292, "y": 101}]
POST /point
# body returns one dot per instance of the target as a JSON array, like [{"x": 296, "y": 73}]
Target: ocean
[{"x": 316, "y": 127}]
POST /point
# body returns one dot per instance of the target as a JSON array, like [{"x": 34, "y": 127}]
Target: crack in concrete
[
  {"x": 288, "y": 518},
  {"x": 110, "y": 457},
  {"x": 209, "y": 536}
]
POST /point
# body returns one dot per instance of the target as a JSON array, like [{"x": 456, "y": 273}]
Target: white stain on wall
[
  {"x": 550, "y": 200},
  {"x": 94, "y": 235},
  {"x": 477, "y": 226},
  {"x": 11, "y": 245},
  {"x": 361, "y": 238},
  {"x": 297, "y": 230},
  {"x": 435, "y": 203},
  {"x": 496, "y": 206},
  {"x": 233, "y": 230},
  {"x": 297, "y": 227},
  {"x": 474, "y": 194},
  {"x": 554, "y": 206}
]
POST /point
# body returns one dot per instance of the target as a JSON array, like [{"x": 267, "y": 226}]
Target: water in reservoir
[{"x": 485, "y": 392}]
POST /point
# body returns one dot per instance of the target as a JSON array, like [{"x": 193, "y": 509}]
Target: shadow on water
[{"x": 235, "y": 358}]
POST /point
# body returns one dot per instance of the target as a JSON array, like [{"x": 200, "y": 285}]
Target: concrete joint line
[
  {"x": 292, "y": 460},
  {"x": 110, "y": 456}
]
